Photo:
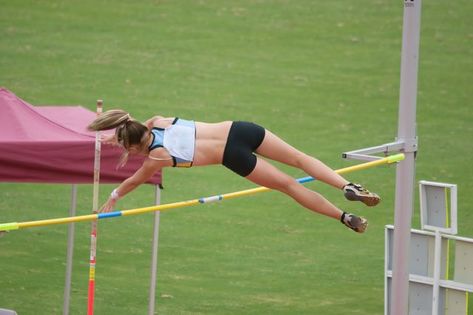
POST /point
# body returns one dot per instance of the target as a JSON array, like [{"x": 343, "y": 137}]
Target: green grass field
[{"x": 324, "y": 75}]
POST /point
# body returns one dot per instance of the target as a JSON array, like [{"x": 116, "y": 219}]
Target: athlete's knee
[
  {"x": 285, "y": 184},
  {"x": 300, "y": 159}
]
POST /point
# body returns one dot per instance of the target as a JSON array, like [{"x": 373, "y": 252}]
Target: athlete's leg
[
  {"x": 269, "y": 176},
  {"x": 276, "y": 149}
]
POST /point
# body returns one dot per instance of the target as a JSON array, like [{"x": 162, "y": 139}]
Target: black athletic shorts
[{"x": 243, "y": 139}]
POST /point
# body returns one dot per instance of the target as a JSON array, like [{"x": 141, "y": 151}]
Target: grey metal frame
[
  {"x": 70, "y": 252},
  {"x": 431, "y": 290},
  {"x": 154, "y": 255},
  {"x": 435, "y": 210}
]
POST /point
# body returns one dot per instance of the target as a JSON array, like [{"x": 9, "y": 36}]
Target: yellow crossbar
[{"x": 23, "y": 225}]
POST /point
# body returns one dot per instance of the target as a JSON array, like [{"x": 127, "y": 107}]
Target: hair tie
[{"x": 125, "y": 119}]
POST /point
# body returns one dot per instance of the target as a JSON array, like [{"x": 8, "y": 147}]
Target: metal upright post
[
  {"x": 406, "y": 143},
  {"x": 154, "y": 255},
  {"x": 70, "y": 252},
  {"x": 405, "y": 173}
]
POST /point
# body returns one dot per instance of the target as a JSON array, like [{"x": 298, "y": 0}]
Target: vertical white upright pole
[
  {"x": 386, "y": 268},
  {"x": 95, "y": 209},
  {"x": 70, "y": 252},
  {"x": 154, "y": 255},
  {"x": 405, "y": 173},
  {"x": 437, "y": 265}
]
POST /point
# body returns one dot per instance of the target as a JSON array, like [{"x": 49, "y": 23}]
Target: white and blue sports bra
[{"x": 178, "y": 139}]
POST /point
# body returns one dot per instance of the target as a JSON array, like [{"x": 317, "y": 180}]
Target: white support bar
[
  {"x": 455, "y": 285},
  {"x": 387, "y": 272},
  {"x": 446, "y": 284},
  {"x": 366, "y": 154},
  {"x": 437, "y": 262}
]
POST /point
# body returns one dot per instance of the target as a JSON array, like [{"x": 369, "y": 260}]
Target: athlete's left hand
[{"x": 108, "y": 206}]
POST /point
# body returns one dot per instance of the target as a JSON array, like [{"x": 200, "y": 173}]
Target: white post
[
  {"x": 95, "y": 209},
  {"x": 70, "y": 252},
  {"x": 437, "y": 265},
  {"x": 405, "y": 173},
  {"x": 154, "y": 255}
]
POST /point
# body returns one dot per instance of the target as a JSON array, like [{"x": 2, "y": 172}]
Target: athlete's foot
[
  {"x": 357, "y": 224},
  {"x": 356, "y": 192}
]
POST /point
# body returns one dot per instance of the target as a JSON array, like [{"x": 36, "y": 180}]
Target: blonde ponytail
[{"x": 109, "y": 120}]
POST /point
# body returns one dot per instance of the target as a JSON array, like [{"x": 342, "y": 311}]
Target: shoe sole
[
  {"x": 361, "y": 224},
  {"x": 363, "y": 227},
  {"x": 370, "y": 201}
]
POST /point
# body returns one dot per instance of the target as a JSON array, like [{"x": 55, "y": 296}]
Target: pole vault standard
[
  {"x": 91, "y": 217},
  {"x": 407, "y": 143},
  {"x": 405, "y": 173}
]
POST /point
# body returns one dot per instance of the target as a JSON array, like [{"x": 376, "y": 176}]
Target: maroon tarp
[{"x": 50, "y": 144}]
